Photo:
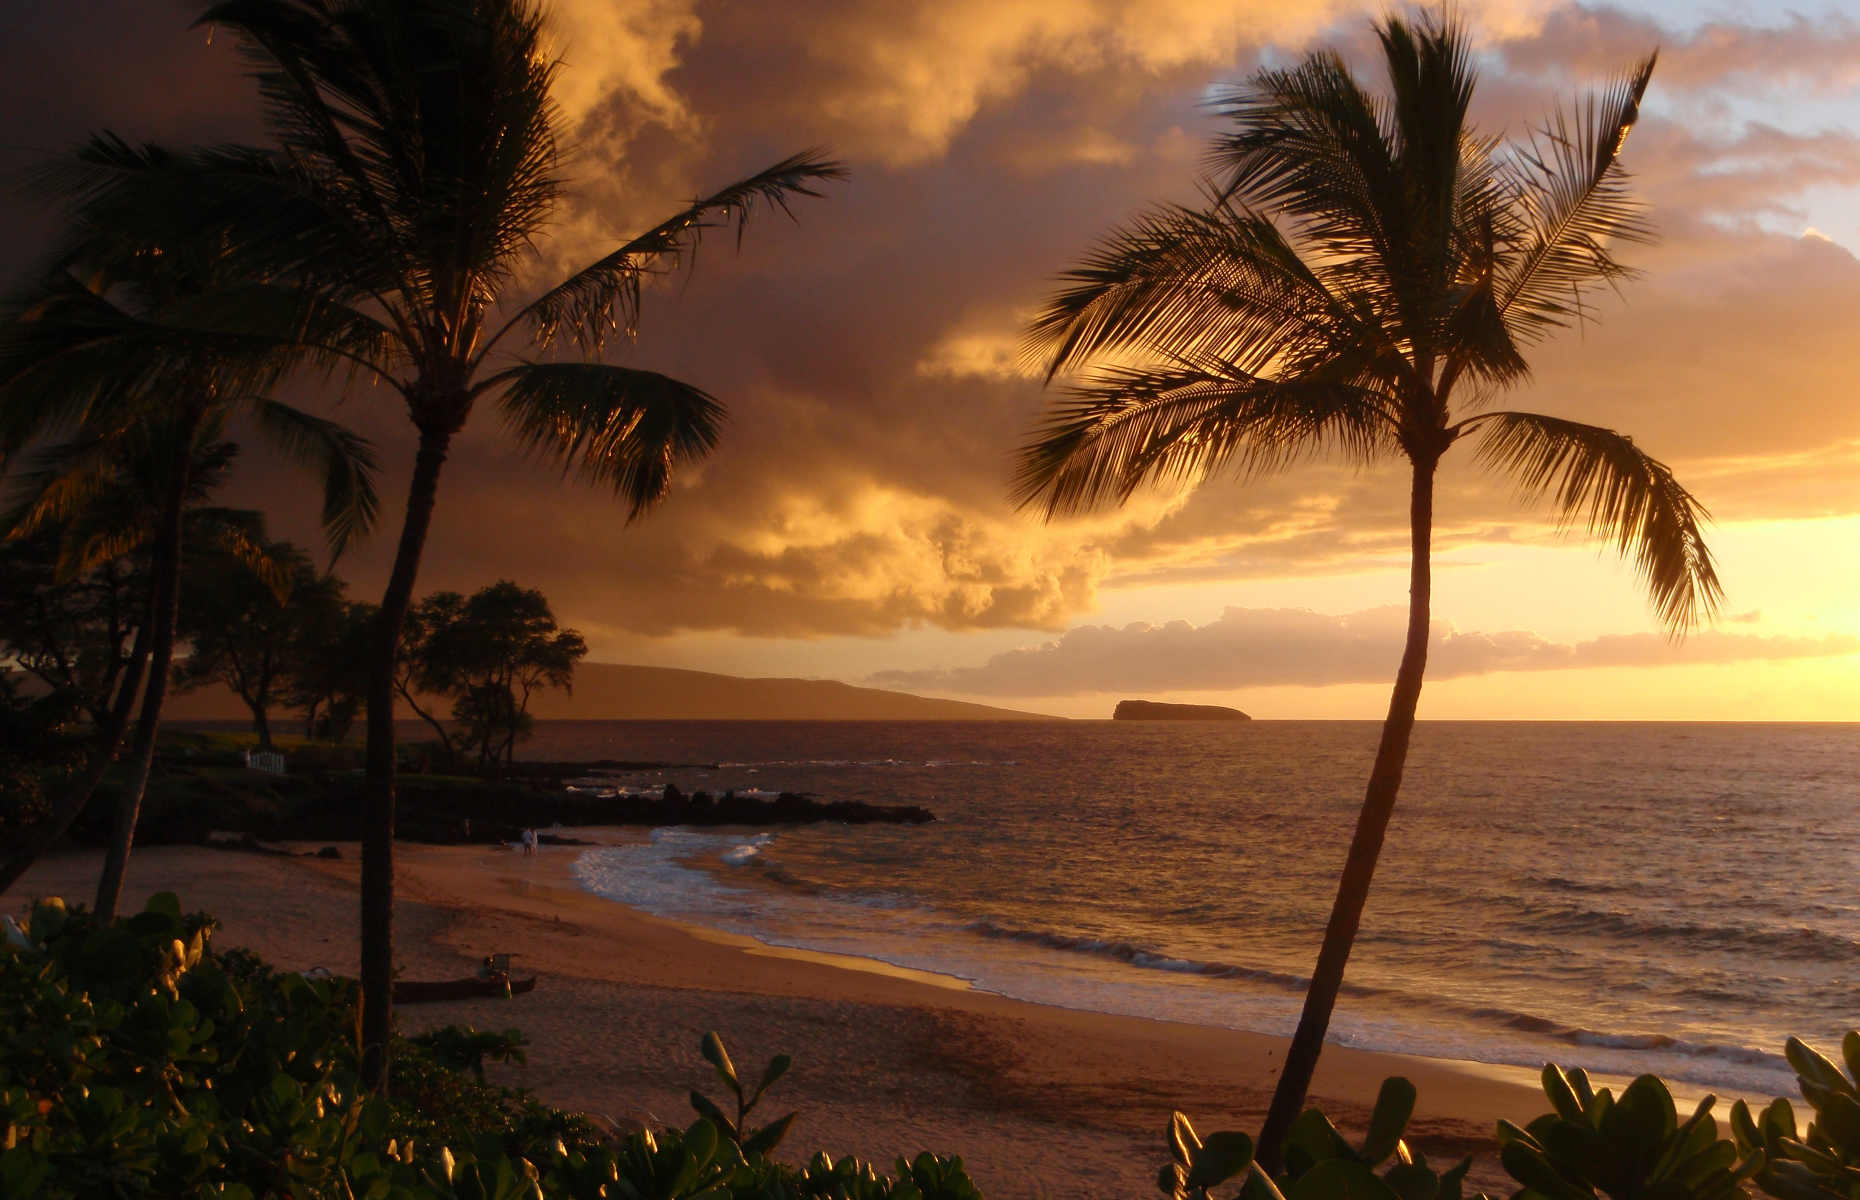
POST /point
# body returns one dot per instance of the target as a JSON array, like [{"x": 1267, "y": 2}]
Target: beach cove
[{"x": 1039, "y": 1100}]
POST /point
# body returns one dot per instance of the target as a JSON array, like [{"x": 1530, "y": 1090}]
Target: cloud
[
  {"x": 1247, "y": 648},
  {"x": 897, "y": 84},
  {"x": 869, "y": 356},
  {"x": 1819, "y": 52},
  {"x": 868, "y": 351},
  {"x": 615, "y": 58}
]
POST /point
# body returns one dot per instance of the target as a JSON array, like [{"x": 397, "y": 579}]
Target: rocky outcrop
[
  {"x": 453, "y": 812},
  {"x": 1155, "y": 710}
]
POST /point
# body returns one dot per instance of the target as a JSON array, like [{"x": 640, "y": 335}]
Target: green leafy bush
[
  {"x": 1320, "y": 1163},
  {"x": 760, "y": 1141},
  {"x": 1822, "y": 1162},
  {"x": 1627, "y": 1148},
  {"x": 1591, "y": 1144},
  {"x": 139, "y": 1063}
]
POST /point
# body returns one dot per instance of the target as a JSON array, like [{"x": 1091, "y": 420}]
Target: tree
[
  {"x": 327, "y": 680},
  {"x": 417, "y": 162},
  {"x": 1363, "y": 277},
  {"x": 251, "y": 636},
  {"x": 490, "y": 653},
  {"x": 414, "y": 666},
  {"x": 75, "y": 632},
  {"x": 106, "y": 347}
]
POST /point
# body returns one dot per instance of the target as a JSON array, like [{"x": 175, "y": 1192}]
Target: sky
[{"x": 854, "y": 522}]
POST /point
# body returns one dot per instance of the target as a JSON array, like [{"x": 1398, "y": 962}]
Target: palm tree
[
  {"x": 141, "y": 484},
  {"x": 418, "y": 160},
  {"x": 1365, "y": 275}
]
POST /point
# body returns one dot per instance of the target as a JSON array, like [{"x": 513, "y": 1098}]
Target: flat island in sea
[{"x": 1156, "y": 710}]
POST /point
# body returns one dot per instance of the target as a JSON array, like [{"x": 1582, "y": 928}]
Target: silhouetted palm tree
[
  {"x": 1366, "y": 270},
  {"x": 418, "y": 161},
  {"x": 150, "y": 405}
]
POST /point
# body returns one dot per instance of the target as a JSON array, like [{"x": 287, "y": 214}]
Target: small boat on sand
[{"x": 409, "y": 991}]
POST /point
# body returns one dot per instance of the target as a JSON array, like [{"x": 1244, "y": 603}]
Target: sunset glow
[{"x": 854, "y": 523}]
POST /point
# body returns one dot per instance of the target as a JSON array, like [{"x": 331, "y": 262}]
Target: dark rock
[
  {"x": 330, "y": 852},
  {"x": 447, "y": 811}
]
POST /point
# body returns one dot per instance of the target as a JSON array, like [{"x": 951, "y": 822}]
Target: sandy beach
[{"x": 1039, "y": 1101}]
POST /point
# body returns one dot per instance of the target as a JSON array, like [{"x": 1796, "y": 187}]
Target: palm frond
[
  {"x": 345, "y": 459},
  {"x": 1124, "y": 427},
  {"x": 290, "y": 325},
  {"x": 605, "y": 295},
  {"x": 1431, "y": 81},
  {"x": 320, "y": 75},
  {"x": 1569, "y": 198},
  {"x": 234, "y": 533},
  {"x": 56, "y": 483},
  {"x": 99, "y": 354},
  {"x": 69, "y": 356},
  {"x": 1310, "y": 145},
  {"x": 1222, "y": 282},
  {"x": 252, "y": 210},
  {"x": 625, "y": 428},
  {"x": 1599, "y": 478}
]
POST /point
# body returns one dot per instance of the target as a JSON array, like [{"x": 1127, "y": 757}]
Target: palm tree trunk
[
  {"x": 378, "y": 792},
  {"x": 43, "y": 836},
  {"x": 1372, "y": 823},
  {"x": 164, "y": 590}
]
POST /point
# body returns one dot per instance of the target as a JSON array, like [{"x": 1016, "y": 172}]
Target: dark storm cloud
[{"x": 868, "y": 352}]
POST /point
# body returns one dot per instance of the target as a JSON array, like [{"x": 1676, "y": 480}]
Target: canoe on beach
[{"x": 408, "y": 991}]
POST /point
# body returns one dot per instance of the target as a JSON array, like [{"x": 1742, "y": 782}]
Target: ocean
[{"x": 1676, "y": 898}]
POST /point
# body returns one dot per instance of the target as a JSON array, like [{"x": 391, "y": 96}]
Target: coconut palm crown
[
  {"x": 416, "y": 163},
  {"x": 1364, "y": 276}
]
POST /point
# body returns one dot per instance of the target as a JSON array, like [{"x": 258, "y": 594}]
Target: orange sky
[{"x": 854, "y": 522}]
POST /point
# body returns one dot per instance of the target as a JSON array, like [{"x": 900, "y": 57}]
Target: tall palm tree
[
  {"x": 150, "y": 407},
  {"x": 417, "y": 161},
  {"x": 1365, "y": 275}
]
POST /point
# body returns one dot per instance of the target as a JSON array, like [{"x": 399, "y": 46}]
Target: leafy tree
[
  {"x": 251, "y": 636},
  {"x": 105, "y": 348},
  {"x": 1367, "y": 271},
  {"x": 75, "y": 632},
  {"x": 492, "y": 652},
  {"x": 414, "y": 675},
  {"x": 417, "y": 161},
  {"x": 328, "y": 677}
]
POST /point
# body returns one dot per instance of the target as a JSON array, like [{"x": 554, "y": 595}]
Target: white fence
[{"x": 268, "y": 761}]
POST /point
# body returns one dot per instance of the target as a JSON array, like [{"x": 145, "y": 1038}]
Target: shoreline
[{"x": 1040, "y": 1100}]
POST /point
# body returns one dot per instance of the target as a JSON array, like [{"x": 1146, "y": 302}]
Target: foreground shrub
[
  {"x": 1591, "y": 1144},
  {"x": 1320, "y": 1163},
  {"x": 139, "y": 1063},
  {"x": 1823, "y": 1162},
  {"x": 1626, "y": 1148}
]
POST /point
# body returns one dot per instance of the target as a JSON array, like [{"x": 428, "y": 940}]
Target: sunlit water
[{"x": 1675, "y": 898}]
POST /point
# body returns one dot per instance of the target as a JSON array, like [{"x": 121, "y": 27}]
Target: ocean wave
[
  {"x": 687, "y": 873},
  {"x": 1591, "y": 887},
  {"x": 1576, "y": 1035},
  {"x": 744, "y": 854},
  {"x": 1798, "y": 942},
  {"x": 1140, "y": 956}
]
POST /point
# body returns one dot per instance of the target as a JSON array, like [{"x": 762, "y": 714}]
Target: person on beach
[{"x": 529, "y": 841}]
